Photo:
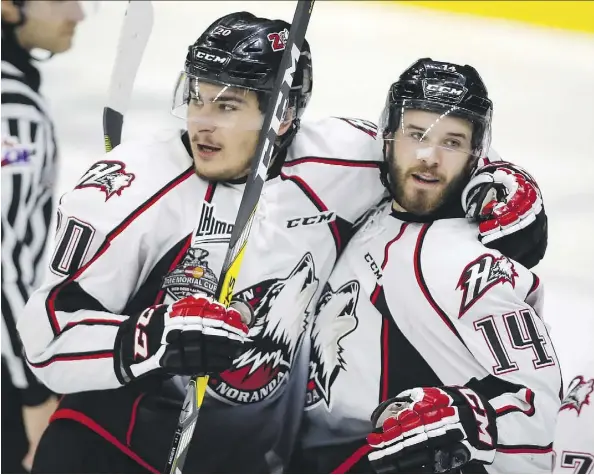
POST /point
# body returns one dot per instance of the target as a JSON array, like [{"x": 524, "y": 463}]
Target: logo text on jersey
[
  {"x": 190, "y": 276},
  {"x": 320, "y": 218},
  {"x": 377, "y": 272},
  {"x": 109, "y": 176},
  {"x": 480, "y": 275},
  {"x": 334, "y": 320},
  {"x": 280, "y": 318},
  {"x": 210, "y": 228},
  {"x": 578, "y": 394}
]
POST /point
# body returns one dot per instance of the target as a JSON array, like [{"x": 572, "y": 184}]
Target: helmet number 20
[{"x": 220, "y": 30}]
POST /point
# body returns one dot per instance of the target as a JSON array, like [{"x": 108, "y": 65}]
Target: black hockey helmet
[
  {"x": 446, "y": 88},
  {"x": 244, "y": 51}
]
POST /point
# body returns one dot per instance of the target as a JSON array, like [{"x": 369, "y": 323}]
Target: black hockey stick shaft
[{"x": 247, "y": 210}]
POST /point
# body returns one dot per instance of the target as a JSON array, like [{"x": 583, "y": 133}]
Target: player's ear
[{"x": 10, "y": 12}]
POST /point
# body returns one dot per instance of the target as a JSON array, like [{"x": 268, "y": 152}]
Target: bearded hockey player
[
  {"x": 424, "y": 340},
  {"x": 148, "y": 226}
]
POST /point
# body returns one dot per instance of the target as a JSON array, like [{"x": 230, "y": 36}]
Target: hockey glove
[
  {"x": 193, "y": 336},
  {"x": 432, "y": 430},
  {"x": 506, "y": 202}
]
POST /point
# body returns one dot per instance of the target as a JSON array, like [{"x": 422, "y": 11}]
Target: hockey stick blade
[
  {"x": 243, "y": 222},
  {"x": 134, "y": 36}
]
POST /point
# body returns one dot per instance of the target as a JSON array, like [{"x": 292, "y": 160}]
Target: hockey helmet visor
[
  {"x": 215, "y": 104},
  {"x": 426, "y": 126}
]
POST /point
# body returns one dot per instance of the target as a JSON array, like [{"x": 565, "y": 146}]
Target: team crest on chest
[
  {"x": 190, "y": 276},
  {"x": 578, "y": 394},
  {"x": 280, "y": 321},
  {"x": 109, "y": 176},
  {"x": 480, "y": 275},
  {"x": 335, "y": 319}
]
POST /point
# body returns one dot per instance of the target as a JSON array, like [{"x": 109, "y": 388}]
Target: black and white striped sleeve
[{"x": 28, "y": 158}]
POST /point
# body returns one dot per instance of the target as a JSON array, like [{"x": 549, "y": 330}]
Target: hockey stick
[
  {"x": 134, "y": 36},
  {"x": 243, "y": 222}
]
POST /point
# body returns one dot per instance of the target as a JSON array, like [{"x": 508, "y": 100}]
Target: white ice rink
[{"x": 541, "y": 81}]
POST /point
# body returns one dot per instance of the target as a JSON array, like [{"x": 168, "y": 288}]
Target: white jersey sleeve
[
  {"x": 574, "y": 436},
  {"x": 109, "y": 228},
  {"x": 345, "y": 149},
  {"x": 494, "y": 306}
]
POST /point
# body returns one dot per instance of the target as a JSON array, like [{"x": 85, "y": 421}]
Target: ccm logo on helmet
[
  {"x": 213, "y": 58},
  {"x": 444, "y": 90},
  {"x": 439, "y": 90}
]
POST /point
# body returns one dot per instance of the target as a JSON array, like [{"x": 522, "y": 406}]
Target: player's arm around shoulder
[
  {"x": 106, "y": 226},
  {"x": 495, "y": 304},
  {"x": 340, "y": 159}
]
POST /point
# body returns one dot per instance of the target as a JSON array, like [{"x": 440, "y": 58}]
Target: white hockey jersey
[
  {"x": 425, "y": 304},
  {"x": 141, "y": 228},
  {"x": 574, "y": 437}
]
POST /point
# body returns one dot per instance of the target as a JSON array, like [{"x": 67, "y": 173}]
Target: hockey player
[
  {"x": 28, "y": 171},
  {"x": 573, "y": 448},
  {"x": 148, "y": 225},
  {"x": 424, "y": 340}
]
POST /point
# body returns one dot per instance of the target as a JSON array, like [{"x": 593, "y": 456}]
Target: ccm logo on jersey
[
  {"x": 109, "y": 176},
  {"x": 322, "y": 218},
  {"x": 373, "y": 266},
  {"x": 482, "y": 274}
]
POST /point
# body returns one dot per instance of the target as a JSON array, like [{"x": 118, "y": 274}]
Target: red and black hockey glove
[
  {"x": 432, "y": 430},
  {"x": 193, "y": 336},
  {"x": 506, "y": 202}
]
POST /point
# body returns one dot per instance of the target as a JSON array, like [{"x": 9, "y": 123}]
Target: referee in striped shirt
[{"x": 29, "y": 156}]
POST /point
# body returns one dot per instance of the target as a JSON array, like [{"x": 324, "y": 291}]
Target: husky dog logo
[
  {"x": 334, "y": 320},
  {"x": 192, "y": 275},
  {"x": 480, "y": 275},
  {"x": 578, "y": 394},
  {"x": 280, "y": 311},
  {"x": 109, "y": 176}
]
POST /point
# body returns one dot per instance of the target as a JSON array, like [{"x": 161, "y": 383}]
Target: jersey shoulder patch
[
  {"x": 466, "y": 274},
  {"x": 127, "y": 178},
  {"x": 337, "y": 140}
]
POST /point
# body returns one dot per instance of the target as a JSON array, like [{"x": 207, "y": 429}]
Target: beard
[{"x": 427, "y": 202}]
